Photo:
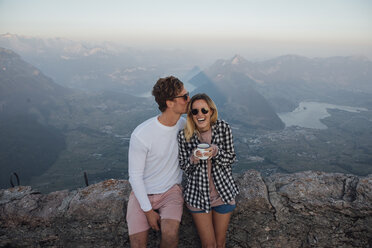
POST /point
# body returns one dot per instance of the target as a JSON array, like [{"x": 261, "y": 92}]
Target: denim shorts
[{"x": 221, "y": 209}]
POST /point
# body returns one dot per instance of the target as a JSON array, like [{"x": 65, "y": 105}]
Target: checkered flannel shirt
[{"x": 196, "y": 191}]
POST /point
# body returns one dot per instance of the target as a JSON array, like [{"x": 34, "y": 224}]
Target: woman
[{"x": 210, "y": 189}]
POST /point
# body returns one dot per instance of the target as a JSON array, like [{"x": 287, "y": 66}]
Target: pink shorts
[{"x": 169, "y": 204}]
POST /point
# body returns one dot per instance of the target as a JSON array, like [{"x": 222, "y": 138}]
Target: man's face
[{"x": 180, "y": 102}]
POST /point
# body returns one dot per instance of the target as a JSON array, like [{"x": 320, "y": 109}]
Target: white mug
[{"x": 202, "y": 148}]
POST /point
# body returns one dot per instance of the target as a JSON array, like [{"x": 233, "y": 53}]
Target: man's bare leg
[
  {"x": 139, "y": 240},
  {"x": 169, "y": 233}
]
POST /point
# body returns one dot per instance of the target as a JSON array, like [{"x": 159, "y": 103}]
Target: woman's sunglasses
[
  {"x": 185, "y": 96},
  {"x": 196, "y": 111}
]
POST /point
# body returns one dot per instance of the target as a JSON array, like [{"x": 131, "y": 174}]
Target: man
[{"x": 156, "y": 200}]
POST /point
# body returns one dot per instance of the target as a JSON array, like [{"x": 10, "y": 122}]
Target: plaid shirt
[{"x": 196, "y": 191}]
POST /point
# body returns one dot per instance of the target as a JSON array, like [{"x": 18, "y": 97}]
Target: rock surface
[{"x": 306, "y": 209}]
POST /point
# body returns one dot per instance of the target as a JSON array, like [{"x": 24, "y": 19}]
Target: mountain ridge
[
  {"x": 307, "y": 209},
  {"x": 237, "y": 100},
  {"x": 27, "y": 99}
]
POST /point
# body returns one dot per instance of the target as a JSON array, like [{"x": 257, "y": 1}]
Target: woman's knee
[
  {"x": 221, "y": 245},
  {"x": 221, "y": 242},
  {"x": 209, "y": 245}
]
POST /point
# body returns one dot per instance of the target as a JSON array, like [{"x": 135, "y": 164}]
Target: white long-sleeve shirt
[{"x": 153, "y": 159}]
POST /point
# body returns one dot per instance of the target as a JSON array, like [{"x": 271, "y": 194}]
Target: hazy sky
[{"x": 251, "y": 28}]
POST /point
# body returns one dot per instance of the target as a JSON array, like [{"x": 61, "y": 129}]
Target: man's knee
[
  {"x": 169, "y": 230},
  {"x": 170, "y": 234},
  {"x": 138, "y": 240}
]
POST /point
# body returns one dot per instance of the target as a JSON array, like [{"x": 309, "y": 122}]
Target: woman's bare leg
[
  {"x": 204, "y": 225},
  {"x": 220, "y": 224}
]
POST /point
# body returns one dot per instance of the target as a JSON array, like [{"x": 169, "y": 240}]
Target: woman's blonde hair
[{"x": 190, "y": 127}]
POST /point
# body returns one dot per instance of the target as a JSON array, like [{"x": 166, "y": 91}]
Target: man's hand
[{"x": 153, "y": 219}]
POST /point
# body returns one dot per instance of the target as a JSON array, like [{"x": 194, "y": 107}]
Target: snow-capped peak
[{"x": 237, "y": 59}]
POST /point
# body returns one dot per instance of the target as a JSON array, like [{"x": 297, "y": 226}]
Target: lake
[{"x": 309, "y": 114}]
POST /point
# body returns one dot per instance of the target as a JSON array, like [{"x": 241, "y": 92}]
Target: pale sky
[{"x": 252, "y": 28}]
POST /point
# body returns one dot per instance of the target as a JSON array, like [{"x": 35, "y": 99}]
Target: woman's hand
[
  {"x": 198, "y": 153},
  {"x": 208, "y": 152},
  {"x": 214, "y": 151},
  {"x": 194, "y": 159}
]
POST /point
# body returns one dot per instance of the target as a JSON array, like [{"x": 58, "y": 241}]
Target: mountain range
[
  {"x": 350, "y": 73},
  {"x": 287, "y": 80},
  {"x": 73, "y": 108},
  {"x": 283, "y": 81},
  {"x": 100, "y": 67}
]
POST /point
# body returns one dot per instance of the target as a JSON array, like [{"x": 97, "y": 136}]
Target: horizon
[
  {"x": 231, "y": 56},
  {"x": 252, "y": 29}
]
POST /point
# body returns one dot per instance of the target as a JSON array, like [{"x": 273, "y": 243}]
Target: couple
[{"x": 163, "y": 145}]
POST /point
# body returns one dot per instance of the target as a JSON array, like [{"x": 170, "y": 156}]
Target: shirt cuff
[{"x": 146, "y": 208}]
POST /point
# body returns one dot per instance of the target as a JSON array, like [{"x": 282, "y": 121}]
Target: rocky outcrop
[{"x": 307, "y": 209}]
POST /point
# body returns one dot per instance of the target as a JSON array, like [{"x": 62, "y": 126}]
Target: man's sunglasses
[
  {"x": 196, "y": 111},
  {"x": 185, "y": 97}
]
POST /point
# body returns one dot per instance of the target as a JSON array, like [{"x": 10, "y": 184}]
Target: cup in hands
[{"x": 200, "y": 150}]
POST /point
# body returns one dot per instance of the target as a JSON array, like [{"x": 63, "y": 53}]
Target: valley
[{"x": 345, "y": 146}]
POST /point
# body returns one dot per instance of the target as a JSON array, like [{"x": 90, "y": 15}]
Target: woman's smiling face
[{"x": 201, "y": 119}]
